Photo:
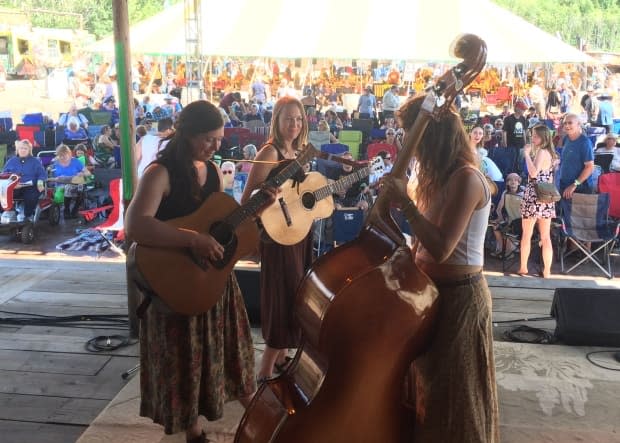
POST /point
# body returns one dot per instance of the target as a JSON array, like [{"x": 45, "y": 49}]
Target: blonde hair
[
  {"x": 276, "y": 131},
  {"x": 63, "y": 149},
  {"x": 24, "y": 142}
]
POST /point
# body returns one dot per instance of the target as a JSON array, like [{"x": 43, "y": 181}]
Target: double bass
[{"x": 366, "y": 311}]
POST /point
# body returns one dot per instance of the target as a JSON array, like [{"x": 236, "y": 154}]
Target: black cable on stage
[
  {"x": 616, "y": 356},
  {"x": 108, "y": 343},
  {"x": 527, "y": 334},
  {"x": 523, "y": 319}
]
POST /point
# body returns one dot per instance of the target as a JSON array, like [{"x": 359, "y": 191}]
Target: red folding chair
[
  {"x": 374, "y": 149},
  {"x": 610, "y": 183},
  {"x": 115, "y": 221}
]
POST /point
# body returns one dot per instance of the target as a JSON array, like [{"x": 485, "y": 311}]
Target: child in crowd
[{"x": 505, "y": 218}]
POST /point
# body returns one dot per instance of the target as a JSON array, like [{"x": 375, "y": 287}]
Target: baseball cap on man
[{"x": 520, "y": 104}]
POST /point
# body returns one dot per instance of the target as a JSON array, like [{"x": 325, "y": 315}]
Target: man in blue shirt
[
  {"x": 367, "y": 104},
  {"x": 577, "y": 161}
]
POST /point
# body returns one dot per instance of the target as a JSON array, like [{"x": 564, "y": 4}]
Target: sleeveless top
[
  {"x": 172, "y": 208},
  {"x": 470, "y": 248}
]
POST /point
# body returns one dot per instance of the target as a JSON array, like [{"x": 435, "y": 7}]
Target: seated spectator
[
  {"x": 171, "y": 107},
  {"x": 513, "y": 187},
  {"x": 73, "y": 115},
  {"x": 31, "y": 174},
  {"x": 74, "y": 132},
  {"x": 104, "y": 148},
  {"x": 64, "y": 168},
  {"x": 324, "y": 127},
  {"x": 109, "y": 104},
  {"x": 80, "y": 153},
  {"x": 611, "y": 149},
  {"x": 392, "y": 139},
  {"x": 249, "y": 153},
  {"x": 334, "y": 122},
  {"x": 358, "y": 195},
  {"x": 141, "y": 131},
  {"x": 253, "y": 114},
  {"x": 159, "y": 113}
]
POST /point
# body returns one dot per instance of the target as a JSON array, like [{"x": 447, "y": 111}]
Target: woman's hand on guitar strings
[{"x": 204, "y": 245}]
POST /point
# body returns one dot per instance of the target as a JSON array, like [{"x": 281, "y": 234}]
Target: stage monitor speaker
[{"x": 589, "y": 317}]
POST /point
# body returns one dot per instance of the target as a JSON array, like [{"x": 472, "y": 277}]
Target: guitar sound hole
[
  {"x": 222, "y": 233},
  {"x": 308, "y": 200}
]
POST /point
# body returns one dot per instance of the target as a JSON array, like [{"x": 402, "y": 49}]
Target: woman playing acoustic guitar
[
  {"x": 456, "y": 397},
  {"x": 189, "y": 365},
  {"x": 282, "y": 267}
]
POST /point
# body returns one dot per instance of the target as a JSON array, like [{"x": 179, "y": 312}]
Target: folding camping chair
[{"x": 585, "y": 220}]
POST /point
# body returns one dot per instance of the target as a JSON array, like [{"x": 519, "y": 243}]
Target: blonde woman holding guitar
[
  {"x": 189, "y": 364},
  {"x": 282, "y": 267}
]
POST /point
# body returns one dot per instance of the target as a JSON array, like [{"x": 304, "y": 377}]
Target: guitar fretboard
[{"x": 342, "y": 184}]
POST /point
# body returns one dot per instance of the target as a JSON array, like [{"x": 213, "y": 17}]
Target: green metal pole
[
  {"x": 122, "y": 53},
  {"x": 123, "y": 77}
]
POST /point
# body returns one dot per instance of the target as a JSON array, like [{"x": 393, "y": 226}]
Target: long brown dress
[
  {"x": 192, "y": 365},
  {"x": 282, "y": 269}
]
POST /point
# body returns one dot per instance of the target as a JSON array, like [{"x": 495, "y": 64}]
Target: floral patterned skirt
[{"x": 191, "y": 366}]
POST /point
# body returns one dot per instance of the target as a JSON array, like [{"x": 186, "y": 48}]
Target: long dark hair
[
  {"x": 444, "y": 148},
  {"x": 196, "y": 118}
]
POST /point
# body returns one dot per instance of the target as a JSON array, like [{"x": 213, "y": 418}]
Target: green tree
[{"x": 593, "y": 23}]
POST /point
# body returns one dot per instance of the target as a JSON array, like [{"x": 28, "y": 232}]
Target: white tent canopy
[{"x": 416, "y": 30}]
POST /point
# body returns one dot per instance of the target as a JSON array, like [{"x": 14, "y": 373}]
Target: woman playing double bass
[{"x": 454, "y": 381}]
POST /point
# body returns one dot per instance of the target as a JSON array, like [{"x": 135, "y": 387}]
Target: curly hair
[
  {"x": 444, "y": 148},
  {"x": 196, "y": 118}
]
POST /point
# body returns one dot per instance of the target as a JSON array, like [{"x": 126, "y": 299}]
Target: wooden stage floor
[{"x": 53, "y": 390}]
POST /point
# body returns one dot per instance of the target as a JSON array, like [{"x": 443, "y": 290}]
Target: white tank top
[{"x": 470, "y": 248}]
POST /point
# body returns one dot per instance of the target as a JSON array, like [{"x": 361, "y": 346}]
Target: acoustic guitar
[
  {"x": 191, "y": 285},
  {"x": 289, "y": 219}
]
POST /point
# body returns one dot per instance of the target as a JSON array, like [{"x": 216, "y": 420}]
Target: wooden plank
[
  {"x": 22, "y": 432},
  {"x": 14, "y": 284},
  {"x": 74, "y": 298},
  {"x": 59, "y": 343},
  {"x": 104, "y": 386},
  {"x": 52, "y": 362},
  {"x": 62, "y": 263},
  {"x": 523, "y": 306},
  {"x": 550, "y": 283},
  {"x": 522, "y": 293},
  {"x": 60, "y": 311},
  {"x": 43, "y": 409},
  {"x": 86, "y": 287}
]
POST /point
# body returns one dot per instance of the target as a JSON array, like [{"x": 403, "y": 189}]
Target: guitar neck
[
  {"x": 259, "y": 199},
  {"x": 342, "y": 184}
]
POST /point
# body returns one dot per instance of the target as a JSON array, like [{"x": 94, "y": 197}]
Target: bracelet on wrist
[{"x": 576, "y": 182}]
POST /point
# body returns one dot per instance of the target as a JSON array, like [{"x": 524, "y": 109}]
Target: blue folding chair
[{"x": 585, "y": 220}]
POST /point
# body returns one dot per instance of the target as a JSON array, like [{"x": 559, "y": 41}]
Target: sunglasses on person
[{"x": 227, "y": 172}]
